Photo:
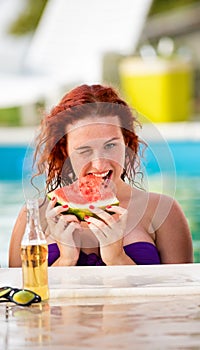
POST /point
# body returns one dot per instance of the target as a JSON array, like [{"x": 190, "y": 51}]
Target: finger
[
  {"x": 117, "y": 209},
  {"x": 120, "y": 214},
  {"x": 64, "y": 222},
  {"x": 70, "y": 218},
  {"x": 72, "y": 226},
  {"x": 51, "y": 213},
  {"x": 96, "y": 224},
  {"x": 100, "y": 235},
  {"x": 102, "y": 215},
  {"x": 64, "y": 233},
  {"x": 64, "y": 208},
  {"x": 54, "y": 219},
  {"x": 51, "y": 203}
]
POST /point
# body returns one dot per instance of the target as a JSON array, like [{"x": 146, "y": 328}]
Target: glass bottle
[{"x": 34, "y": 253}]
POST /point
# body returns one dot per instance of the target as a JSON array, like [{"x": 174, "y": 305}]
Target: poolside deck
[{"x": 106, "y": 308}]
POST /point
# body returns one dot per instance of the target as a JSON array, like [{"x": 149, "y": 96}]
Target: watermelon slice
[{"x": 89, "y": 190}]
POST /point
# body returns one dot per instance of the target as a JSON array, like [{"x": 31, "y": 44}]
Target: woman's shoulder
[
  {"x": 153, "y": 197},
  {"x": 161, "y": 198},
  {"x": 165, "y": 209},
  {"x": 165, "y": 203},
  {"x": 156, "y": 204}
]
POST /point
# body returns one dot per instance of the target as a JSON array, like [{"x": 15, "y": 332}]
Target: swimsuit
[{"x": 142, "y": 253}]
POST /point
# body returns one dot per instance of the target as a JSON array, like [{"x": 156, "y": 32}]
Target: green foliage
[
  {"x": 10, "y": 116},
  {"x": 159, "y": 6},
  {"x": 28, "y": 19}
]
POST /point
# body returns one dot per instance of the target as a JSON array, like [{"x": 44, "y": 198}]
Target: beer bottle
[{"x": 34, "y": 253}]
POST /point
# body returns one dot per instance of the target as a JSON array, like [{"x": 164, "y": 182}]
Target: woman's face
[{"x": 96, "y": 146}]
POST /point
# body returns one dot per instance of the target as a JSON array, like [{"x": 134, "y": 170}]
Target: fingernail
[
  {"x": 86, "y": 217},
  {"x": 65, "y": 206},
  {"x": 108, "y": 207},
  {"x": 91, "y": 206},
  {"x": 53, "y": 198}
]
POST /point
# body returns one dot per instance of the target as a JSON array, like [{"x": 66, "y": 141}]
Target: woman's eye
[
  {"x": 85, "y": 152},
  {"x": 110, "y": 145}
]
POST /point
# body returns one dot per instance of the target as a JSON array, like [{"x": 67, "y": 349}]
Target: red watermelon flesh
[{"x": 88, "y": 190}]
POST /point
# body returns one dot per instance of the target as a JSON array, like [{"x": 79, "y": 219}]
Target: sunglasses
[{"x": 23, "y": 297}]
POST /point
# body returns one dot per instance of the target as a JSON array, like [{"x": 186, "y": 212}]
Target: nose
[{"x": 99, "y": 161}]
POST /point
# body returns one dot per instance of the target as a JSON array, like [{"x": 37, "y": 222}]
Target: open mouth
[{"x": 105, "y": 175}]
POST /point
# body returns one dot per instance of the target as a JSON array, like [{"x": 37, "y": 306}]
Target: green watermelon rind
[{"x": 82, "y": 211}]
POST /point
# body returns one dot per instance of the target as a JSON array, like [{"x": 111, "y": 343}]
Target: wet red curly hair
[{"x": 51, "y": 155}]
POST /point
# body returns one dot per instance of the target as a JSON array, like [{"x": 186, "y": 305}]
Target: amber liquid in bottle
[{"x": 34, "y": 254}]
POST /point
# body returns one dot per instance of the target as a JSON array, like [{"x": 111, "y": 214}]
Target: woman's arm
[
  {"x": 16, "y": 237},
  {"x": 173, "y": 237}
]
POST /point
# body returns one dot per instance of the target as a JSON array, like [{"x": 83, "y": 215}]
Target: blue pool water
[
  {"x": 175, "y": 172},
  {"x": 186, "y": 156}
]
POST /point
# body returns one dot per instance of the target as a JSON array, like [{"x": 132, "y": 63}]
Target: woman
[{"x": 92, "y": 131}]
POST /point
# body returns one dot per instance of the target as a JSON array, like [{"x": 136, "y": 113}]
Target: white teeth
[{"x": 102, "y": 174}]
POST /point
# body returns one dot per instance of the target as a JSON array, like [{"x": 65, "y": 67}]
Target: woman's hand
[
  {"x": 65, "y": 230},
  {"x": 109, "y": 230}
]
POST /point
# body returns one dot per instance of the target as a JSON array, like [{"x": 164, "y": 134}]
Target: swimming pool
[{"x": 176, "y": 172}]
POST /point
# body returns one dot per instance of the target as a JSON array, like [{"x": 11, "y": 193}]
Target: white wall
[
  {"x": 73, "y": 35},
  {"x": 12, "y": 49}
]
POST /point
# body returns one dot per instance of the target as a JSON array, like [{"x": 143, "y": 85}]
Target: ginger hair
[{"x": 51, "y": 156}]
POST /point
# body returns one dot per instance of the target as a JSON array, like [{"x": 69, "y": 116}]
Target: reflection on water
[
  {"x": 187, "y": 192},
  {"x": 153, "y": 323}
]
